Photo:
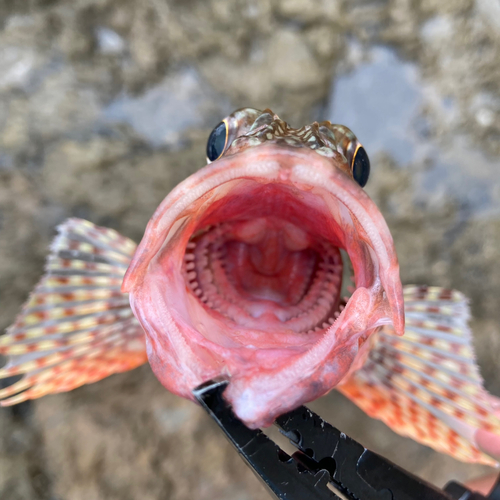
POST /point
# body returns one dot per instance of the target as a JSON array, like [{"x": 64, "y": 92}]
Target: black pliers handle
[{"x": 326, "y": 459}]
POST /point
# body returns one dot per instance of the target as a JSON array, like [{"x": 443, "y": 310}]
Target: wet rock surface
[{"x": 106, "y": 105}]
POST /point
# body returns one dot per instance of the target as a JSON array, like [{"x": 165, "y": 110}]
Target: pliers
[{"x": 327, "y": 463}]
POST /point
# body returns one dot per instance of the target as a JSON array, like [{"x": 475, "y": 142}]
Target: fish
[{"x": 270, "y": 267}]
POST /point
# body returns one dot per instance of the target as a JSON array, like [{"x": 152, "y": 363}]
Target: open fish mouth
[{"x": 239, "y": 275}]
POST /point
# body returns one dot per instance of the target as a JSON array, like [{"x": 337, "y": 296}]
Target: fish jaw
[{"x": 272, "y": 366}]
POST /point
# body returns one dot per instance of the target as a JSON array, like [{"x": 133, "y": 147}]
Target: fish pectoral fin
[
  {"x": 77, "y": 327},
  {"x": 426, "y": 385}
]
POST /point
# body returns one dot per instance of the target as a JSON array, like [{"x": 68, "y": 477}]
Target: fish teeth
[
  {"x": 206, "y": 273},
  {"x": 206, "y": 276},
  {"x": 335, "y": 279},
  {"x": 323, "y": 301}
]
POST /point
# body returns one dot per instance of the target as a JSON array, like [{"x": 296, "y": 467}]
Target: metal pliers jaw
[{"x": 327, "y": 463}]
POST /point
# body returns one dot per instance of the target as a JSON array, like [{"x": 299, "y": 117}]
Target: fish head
[{"x": 239, "y": 273}]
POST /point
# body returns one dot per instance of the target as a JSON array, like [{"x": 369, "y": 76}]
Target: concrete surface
[{"x": 105, "y": 105}]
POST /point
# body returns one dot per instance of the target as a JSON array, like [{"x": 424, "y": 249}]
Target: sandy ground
[{"x": 105, "y": 105}]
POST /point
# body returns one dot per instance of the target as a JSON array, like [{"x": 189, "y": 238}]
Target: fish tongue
[
  {"x": 259, "y": 396},
  {"x": 262, "y": 319}
]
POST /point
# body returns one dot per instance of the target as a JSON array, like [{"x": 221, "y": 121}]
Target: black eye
[
  {"x": 361, "y": 167},
  {"x": 217, "y": 141}
]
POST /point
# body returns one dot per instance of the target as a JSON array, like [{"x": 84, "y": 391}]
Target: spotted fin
[
  {"x": 426, "y": 385},
  {"x": 77, "y": 326}
]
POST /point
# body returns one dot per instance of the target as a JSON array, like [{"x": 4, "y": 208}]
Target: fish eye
[
  {"x": 217, "y": 141},
  {"x": 361, "y": 166}
]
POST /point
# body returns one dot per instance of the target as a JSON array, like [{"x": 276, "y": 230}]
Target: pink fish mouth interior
[
  {"x": 240, "y": 275},
  {"x": 267, "y": 258}
]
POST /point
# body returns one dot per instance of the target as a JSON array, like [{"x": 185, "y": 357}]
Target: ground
[{"x": 105, "y": 105}]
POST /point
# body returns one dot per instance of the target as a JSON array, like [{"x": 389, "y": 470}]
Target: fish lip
[{"x": 197, "y": 359}]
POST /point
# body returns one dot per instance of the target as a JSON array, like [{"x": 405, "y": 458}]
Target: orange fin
[
  {"x": 426, "y": 385},
  {"x": 77, "y": 326}
]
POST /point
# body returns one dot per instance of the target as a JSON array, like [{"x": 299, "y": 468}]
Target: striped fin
[
  {"x": 77, "y": 326},
  {"x": 426, "y": 385}
]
